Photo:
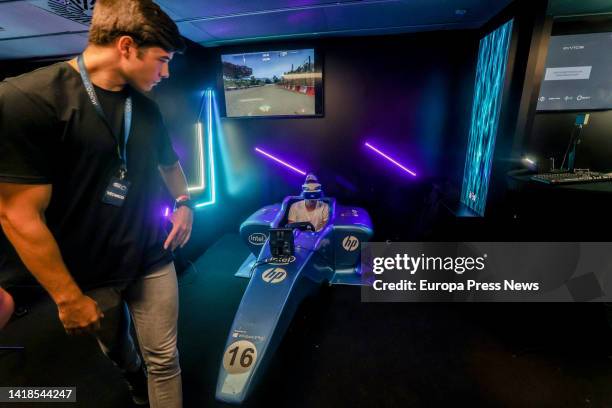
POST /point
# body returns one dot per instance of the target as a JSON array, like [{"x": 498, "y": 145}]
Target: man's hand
[
  {"x": 182, "y": 220},
  {"x": 80, "y": 315}
]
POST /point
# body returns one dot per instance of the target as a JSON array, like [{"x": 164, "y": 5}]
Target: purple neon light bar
[
  {"x": 407, "y": 170},
  {"x": 276, "y": 159}
]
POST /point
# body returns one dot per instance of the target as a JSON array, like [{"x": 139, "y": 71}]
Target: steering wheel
[{"x": 302, "y": 226}]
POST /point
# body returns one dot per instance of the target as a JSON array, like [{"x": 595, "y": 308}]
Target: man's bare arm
[
  {"x": 182, "y": 218},
  {"x": 22, "y": 219}
]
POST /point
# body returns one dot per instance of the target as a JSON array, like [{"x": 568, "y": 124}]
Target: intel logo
[
  {"x": 258, "y": 238},
  {"x": 282, "y": 260}
]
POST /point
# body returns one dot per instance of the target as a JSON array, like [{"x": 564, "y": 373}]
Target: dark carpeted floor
[{"x": 343, "y": 353}]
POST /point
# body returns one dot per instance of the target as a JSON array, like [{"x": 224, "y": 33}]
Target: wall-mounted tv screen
[
  {"x": 578, "y": 74},
  {"x": 285, "y": 83}
]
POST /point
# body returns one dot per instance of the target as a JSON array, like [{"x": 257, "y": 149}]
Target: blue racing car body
[{"x": 279, "y": 284}]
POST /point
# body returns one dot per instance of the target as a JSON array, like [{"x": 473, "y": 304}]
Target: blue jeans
[{"x": 152, "y": 304}]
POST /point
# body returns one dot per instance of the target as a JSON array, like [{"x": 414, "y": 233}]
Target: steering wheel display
[{"x": 302, "y": 226}]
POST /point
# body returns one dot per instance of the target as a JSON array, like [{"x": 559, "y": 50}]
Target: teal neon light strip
[
  {"x": 486, "y": 107},
  {"x": 211, "y": 154}
]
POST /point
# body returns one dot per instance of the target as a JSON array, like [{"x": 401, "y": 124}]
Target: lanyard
[{"x": 127, "y": 114}]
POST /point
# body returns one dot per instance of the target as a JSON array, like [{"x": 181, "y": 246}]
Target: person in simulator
[{"x": 312, "y": 209}]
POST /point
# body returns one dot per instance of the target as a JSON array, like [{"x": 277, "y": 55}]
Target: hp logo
[
  {"x": 274, "y": 275},
  {"x": 350, "y": 243}
]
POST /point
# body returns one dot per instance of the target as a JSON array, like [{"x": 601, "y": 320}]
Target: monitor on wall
[
  {"x": 578, "y": 73},
  {"x": 278, "y": 83}
]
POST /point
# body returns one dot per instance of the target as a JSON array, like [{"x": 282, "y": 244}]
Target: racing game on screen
[
  {"x": 271, "y": 83},
  {"x": 578, "y": 73}
]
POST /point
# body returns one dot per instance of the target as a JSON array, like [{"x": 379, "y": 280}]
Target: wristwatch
[{"x": 184, "y": 200}]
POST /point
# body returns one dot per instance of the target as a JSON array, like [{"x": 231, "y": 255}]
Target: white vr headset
[{"x": 312, "y": 191}]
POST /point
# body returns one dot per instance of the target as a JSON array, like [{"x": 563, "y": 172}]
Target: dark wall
[
  {"x": 411, "y": 95},
  {"x": 551, "y": 130}
]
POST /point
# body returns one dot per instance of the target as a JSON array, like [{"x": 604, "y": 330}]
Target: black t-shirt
[
  {"x": 50, "y": 133},
  {"x": 113, "y": 105}
]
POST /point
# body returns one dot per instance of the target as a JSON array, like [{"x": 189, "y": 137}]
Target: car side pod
[
  {"x": 254, "y": 231},
  {"x": 266, "y": 310}
]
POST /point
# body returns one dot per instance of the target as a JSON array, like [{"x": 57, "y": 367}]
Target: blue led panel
[{"x": 488, "y": 90}]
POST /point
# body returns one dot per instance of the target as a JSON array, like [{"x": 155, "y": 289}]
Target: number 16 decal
[{"x": 239, "y": 357}]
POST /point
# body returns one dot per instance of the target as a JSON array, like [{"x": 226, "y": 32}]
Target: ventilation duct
[{"x": 79, "y": 11}]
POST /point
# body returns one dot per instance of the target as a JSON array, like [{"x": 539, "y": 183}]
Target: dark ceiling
[{"x": 39, "y": 28}]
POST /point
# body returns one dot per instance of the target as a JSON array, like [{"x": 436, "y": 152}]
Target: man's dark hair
[{"x": 143, "y": 20}]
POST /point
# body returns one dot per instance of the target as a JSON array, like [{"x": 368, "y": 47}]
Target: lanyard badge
[
  {"x": 116, "y": 192},
  {"x": 118, "y": 187}
]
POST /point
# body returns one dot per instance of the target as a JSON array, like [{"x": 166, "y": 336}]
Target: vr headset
[{"x": 311, "y": 191}]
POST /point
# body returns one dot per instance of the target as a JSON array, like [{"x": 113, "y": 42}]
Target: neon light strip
[
  {"x": 200, "y": 186},
  {"x": 303, "y": 173},
  {"x": 213, "y": 191},
  {"x": 412, "y": 173}
]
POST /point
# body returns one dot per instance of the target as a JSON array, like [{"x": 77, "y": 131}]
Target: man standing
[{"x": 81, "y": 153}]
